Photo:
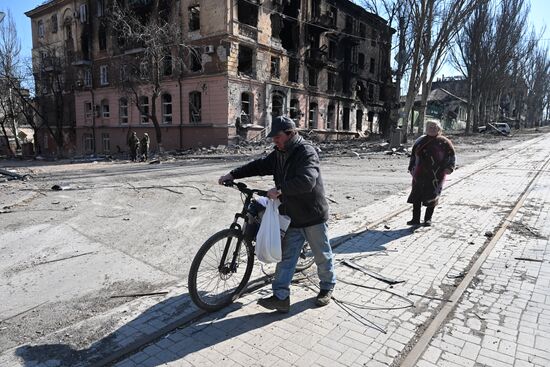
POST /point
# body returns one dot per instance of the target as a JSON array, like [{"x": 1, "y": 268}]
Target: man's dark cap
[{"x": 281, "y": 123}]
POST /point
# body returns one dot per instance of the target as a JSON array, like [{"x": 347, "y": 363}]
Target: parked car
[{"x": 503, "y": 127}]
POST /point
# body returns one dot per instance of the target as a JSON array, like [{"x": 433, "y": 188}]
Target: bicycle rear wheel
[
  {"x": 306, "y": 258},
  {"x": 213, "y": 285}
]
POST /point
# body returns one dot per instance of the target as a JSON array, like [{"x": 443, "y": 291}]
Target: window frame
[
  {"x": 193, "y": 98},
  {"x": 167, "y": 118},
  {"x": 105, "y": 109},
  {"x": 143, "y": 110},
  {"x": 123, "y": 118},
  {"x": 104, "y": 75},
  {"x": 194, "y": 21}
]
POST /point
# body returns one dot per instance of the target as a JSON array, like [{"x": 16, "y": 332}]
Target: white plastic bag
[{"x": 268, "y": 239}]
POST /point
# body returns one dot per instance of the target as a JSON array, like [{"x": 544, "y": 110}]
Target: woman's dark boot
[
  {"x": 416, "y": 215},
  {"x": 428, "y": 216}
]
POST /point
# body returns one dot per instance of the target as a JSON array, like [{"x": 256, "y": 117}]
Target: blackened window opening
[
  {"x": 293, "y": 70},
  {"x": 247, "y": 12},
  {"x": 194, "y": 18},
  {"x": 246, "y": 66}
]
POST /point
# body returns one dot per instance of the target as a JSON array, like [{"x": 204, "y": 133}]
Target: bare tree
[
  {"x": 153, "y": 34},
  {"x": 490, "y": 53},
  {"x": 537, "y": 79},
  {"x": 10, "y": 48},
  {"x": 398, "y": 15},
  {"x": 442, "y": 21}
]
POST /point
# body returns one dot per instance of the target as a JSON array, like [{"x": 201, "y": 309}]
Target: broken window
[
  {"x": 332, "y": 50},
  {"x": 245, "y": 66},
  {"x": 105, "y": 112},
  {"x": 54, "y": 23},
  {"x": 361, "y": 60},
  {"x": 293, "y": 70},
  {"x": 359, "y": 120},
  {"x": 374, "y": 37},
  {"x": 276, "y": 25},
  {"x": 100, "y": 8},
  {"x": 345, "y": 118},
  {"x": 315, "y": 8},
  {"x": 246, "y": 108},
  {"x": 277, "y": 105},
  {"x": 370, "y": 118},
  {"x": 144, "y": 109},
  {"x": 333, "y": 16},
  {"x": 349, "y": 24},
  {"x": 166, "y": 108},
  {"x": 331, "y": 81},
  {"x": 195, "y": 59},
  {"x": 248, "y": 12},
  {"x": 194, "y": 18},
  {"x": 123, "y": 111},
  {"x": 371, "y": 92},
  {"x": 312, "y": 73},
  {"x": 275, "y": 67},
  {"x": 312, "y": 118},
  {"x": 363, "y": 30},
  {"x": 346, "y": 84},
  {"x": 295, "y": 111},
  {"x": 195, "y": 107},
  {"x": 372, "y": 65},
  {"x": 330, "y": 116}
]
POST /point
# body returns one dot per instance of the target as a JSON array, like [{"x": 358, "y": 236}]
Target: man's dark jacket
[{"x": 297, "y": 174}]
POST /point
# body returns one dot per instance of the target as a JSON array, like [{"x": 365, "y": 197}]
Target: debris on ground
[{"x": 13, "y": 175}]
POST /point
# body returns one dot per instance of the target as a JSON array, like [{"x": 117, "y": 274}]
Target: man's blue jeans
[{"x": 317, "y": 236}]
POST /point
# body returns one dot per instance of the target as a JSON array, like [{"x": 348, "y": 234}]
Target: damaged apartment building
[{"x": 324, "y": 63}]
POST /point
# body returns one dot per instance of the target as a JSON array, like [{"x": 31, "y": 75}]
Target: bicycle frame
[{"x": 236, "y": 226}]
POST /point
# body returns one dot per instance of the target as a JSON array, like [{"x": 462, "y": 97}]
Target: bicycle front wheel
[{"x": 213, "y": 283}]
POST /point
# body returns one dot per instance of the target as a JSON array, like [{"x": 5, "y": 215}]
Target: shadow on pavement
[
  {"x": 225, "y": 328},
  {"x": 372, "y": 240}
]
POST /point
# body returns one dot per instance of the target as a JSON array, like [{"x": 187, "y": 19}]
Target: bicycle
[{"x": 222, "y": 267}]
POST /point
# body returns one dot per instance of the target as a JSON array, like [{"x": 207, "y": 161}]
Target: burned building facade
[{"x": 325, "y": 63}]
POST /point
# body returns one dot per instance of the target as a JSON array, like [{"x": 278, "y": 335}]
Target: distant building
[{"x": 325, "y": 63}]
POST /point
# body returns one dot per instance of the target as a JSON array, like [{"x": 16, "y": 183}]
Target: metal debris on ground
[
  {"x": 140, "y": 294},
  {"x": 429, "y": 297},
  {"x": 528, "y": 259},
  {"x": 371, "y": 273}
]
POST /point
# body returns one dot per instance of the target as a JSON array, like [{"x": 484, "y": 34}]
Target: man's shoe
[
  {"x": 427, "y": 223},
  {"x": 274, "y": 303},
  {"x": 413, "y": 222},
  {"x": 323, "y": 298}
]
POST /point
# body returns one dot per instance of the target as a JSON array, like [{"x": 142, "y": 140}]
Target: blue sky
[{"x": 540, "y": 9}]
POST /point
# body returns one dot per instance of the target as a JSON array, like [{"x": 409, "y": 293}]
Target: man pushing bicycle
[{"x": 295, "y": 167}]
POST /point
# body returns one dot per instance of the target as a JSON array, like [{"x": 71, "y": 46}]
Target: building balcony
[
  {"x": 324, "y": 20},
  {"x": 316, "y": 57},
  {"x": 248, "y": 31}
]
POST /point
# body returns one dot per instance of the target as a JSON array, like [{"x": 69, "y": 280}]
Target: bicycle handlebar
[{"x": 241, "y": 186}]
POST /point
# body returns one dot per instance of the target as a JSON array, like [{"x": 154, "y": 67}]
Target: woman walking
[{"x": 432, "y": 159}]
